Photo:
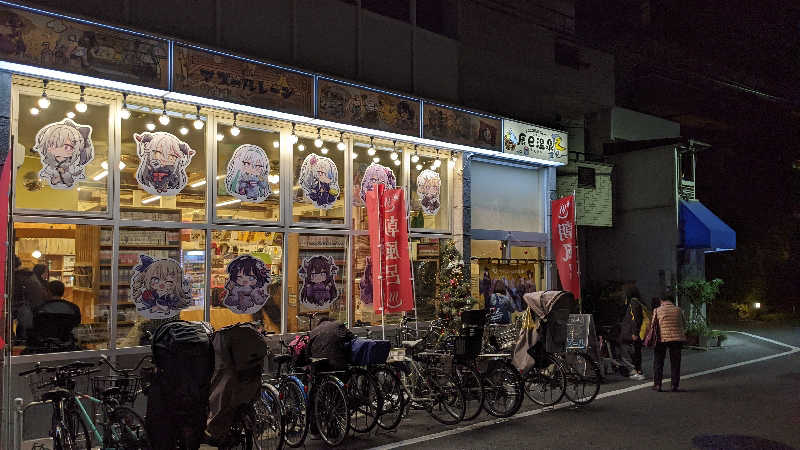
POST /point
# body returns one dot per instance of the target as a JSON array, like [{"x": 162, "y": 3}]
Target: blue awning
[{"x": 701, "y": 229}]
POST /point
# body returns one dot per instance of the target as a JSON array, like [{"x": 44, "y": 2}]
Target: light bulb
[
  {"x": 451, "y": 162},
  {"x": 340, "y": 146},
  {"x": 104, "y": 165},
  {"x": 301, "y": 147},
  {"x": 437, "y": 163},
  {"x": 235, "y": 130},
  {"x": 354, "y": 155},
  {"x": 396, "y": 162},
  {"x": 276, "y": 144},
  {"x": 70, "y": 115},
  {"x": 184, "y": 131},
  {"x": 371, "y": 151},
  {"x": 44, "y": 102},
  {"x": 414, "y": 158},
  {"x": 376, "y": 160},
  {"x": 324, "y": 150},
  {"x": 36, "y": 254},
  {"x": 150, "y": 126},
  {"x": 121, "y": 165},
  {"x": 419, "y": 166},
  {"x": 124, "y": 113},
  {"x": 163, "y": 119},
  {"x": 34, "y": 111},
  {"x": 393, "y": 156},
  {"x": 198, "y": 124},
  {"x": 81, "y": 106},
  {"x": 293, "y": 138},
  {"x": 220, "y": 136},
  {"x": 318, "y": 142}
]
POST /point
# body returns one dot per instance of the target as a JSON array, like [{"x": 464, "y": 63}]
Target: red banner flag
[
  {"x": 388, "y": 237},
  {"x": 565, "y": 250}
]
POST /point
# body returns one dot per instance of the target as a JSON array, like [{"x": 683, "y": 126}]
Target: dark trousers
[
  {"x": 630, "y": 354},
  {"x": 659, "y": 353}
]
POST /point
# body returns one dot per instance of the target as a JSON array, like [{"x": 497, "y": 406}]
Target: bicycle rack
[{"x": 20, "y": 407}]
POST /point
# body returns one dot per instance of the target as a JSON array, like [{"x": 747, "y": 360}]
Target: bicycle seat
[
  {"x": 111, "y": 392},
  {"x": 56, "y": 395},
  {"x": 318, "y": 361},
  {"x": 411, "y": 344},
  {"x": 282, "y": 359}
]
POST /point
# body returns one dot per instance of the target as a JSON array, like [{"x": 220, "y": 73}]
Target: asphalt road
[{"x": 742, "y": 396}]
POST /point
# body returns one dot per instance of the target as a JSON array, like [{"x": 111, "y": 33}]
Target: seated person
[
  {"x": 330, "y": 339},
  {"x": 53, "y": 322}
]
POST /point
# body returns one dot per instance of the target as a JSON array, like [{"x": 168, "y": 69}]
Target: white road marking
[{"x": 533, "y": 412}]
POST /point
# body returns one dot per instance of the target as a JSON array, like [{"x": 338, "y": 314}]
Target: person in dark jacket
[
  {"x": 28, "y": 294},
  {"x": 330, "y": 339},
  {"x": 629, "y": 340}
]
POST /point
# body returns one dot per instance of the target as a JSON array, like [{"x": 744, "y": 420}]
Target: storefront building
[{"x": 161, "y": 181}]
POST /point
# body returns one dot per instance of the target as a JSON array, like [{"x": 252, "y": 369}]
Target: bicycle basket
[{"x": 128, "y": 386}]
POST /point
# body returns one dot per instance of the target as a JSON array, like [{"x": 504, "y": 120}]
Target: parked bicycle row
[{"x": 211, "y": 387}]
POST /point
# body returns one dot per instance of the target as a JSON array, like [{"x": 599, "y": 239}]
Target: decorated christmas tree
[{"x": 453, "y": 285}]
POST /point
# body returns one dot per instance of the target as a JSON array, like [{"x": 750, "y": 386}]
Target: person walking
[
  {"x": 671, "y": 336},
  {"x": 630, "y": 343}
]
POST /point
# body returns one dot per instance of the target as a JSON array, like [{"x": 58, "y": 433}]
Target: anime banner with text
[
  {"x": 565, "y": 251},
  {"x": 388, "y": 239}
]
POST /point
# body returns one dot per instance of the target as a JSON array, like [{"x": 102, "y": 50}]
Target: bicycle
[
  {"x": 389, "y": 386},
  {"x": 72, "y": 427},
  {"x": 258, "y": 425}
]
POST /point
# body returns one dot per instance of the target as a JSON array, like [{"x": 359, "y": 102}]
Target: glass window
[
  {"x": 430, "y": 190},
  {"x": 425, "y": 256},
  {"x": 381, "y": 162},
  {"x": 66, "y": 170},
  {"x": 161, "y": 278},
  {"x": 364, "y": 312},
  {"x": 316, "y": 274},
  {"x": 318, "y": 183},
  {"x": 246, "y": 278},
  {"x": 248, "y": 174},
  {"x": 167, "y": 183},
  {"x": 62, "y": 283},
  {"x": 506, "y": 198}
]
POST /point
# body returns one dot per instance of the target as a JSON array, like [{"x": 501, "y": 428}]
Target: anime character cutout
[
  {"x": 246, "y": 288},
  {"x": 365, "y": 285},
  {"x": 319, "y": 179},
  {"x": 319, "y": 289},
  {"x": 374, "y": 175},
  {"x": 65, "y": 148},
  {"x": 429, "y": 186},
  {"x": 248, "y": 170},
  {"x": 158, "y": 287},
  {"x": 163, "y": 159}
]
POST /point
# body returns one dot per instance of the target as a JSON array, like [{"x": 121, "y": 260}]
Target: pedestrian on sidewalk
[
  {"x": 671, "y": 336},
  {"x": 630, "y": 342}
]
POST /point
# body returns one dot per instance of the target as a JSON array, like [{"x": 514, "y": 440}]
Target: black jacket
[
  {"x": 632, "y": 321},
  {"x": 331, "y": 340}
]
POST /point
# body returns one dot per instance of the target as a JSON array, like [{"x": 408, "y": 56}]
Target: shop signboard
[
  {"x": 460, "y": 127},
  {"x": 537, "y": 142},
  {"x": 242, "y": 81},
  {"x": 72, "y": 46},
  {"x": 388, "y": 238},
  {"x": 352, "y": 105}
]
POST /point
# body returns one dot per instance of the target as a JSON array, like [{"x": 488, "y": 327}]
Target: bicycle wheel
[
  {"x": 446, "y": 403},
  {"x": 266, "y": 423},
  {"x": 331, "y": 413},
  {"x": 75, "y": 433},
  {"x": 504, "y": 390},
  {"x": 295, "y": 411},
  {"x": 364, "y": 399},
  {"x": 583, "y": 377},
  {"x": 126, "y": 430},
  {"x": 545, "y": 383},
  {"x": 393, "y": 401},
  {"x": 472, "y": 387},
  {"x": 403, "y": 373}
]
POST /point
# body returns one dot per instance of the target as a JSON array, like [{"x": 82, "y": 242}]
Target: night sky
[{"x": 728, "y": 72}]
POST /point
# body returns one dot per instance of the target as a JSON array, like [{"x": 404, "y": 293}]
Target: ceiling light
[
  {"x": 121, "y": 165},
  {"x": 376, "y": 160},
  {"x": 324, "y": 150},
  {"x": 396, "y": 162},
  {"x": 318, "y": 140},
  {"x": 415, "y": 156},
  {"x": 301, "y": 147},
  {"x": 198, "y": 183},
  {"x": 220, "y": 137},
  {"x": 274, "y": 179},
  {"x": 34, "y": 111},
  {"x": 104, "y": 165},
  {"x": 276, "y": 144},
  {"x": 125, "y": 113},
  {"x": 340, "y": 145},
  {"x": 70, "y": 115},
  {"x": 163, "y": 119},
  {"x": 229, "y": 202},
  {"x": 36, "y": 254},
  {"x": 198, "y": 124},
  {"x": 150, "y": 199},
  {"x": 371, "y": 151},
  {"x": 100, "y": 175},
  {"x": 150, "y": 126},
  {"x": 354, "y": 155},
  {"x": 419, "y": 166},
  {"x": 184, "y": 131},
  {"x": 234, "y": 129},
  {"x": 44, "y": 102},
  {"x": 293, "y": 136},
  {"x": 452, "y": 161},
  {"x": 393, "y": 155},
  {"x": 81, "y": 105}
]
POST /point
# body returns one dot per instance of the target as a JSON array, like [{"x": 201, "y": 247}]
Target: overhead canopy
[{"x": 701, "y": 229}]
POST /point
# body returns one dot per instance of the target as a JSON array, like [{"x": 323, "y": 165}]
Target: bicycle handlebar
[
  {"x": 73, "y": 365},
  {"x": 104, "y": 360}
]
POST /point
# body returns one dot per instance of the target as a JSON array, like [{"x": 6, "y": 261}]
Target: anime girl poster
[
  {"x": 246, "y": 290},
  {"x": 429, "y": 186},
  {"x": 65, "y": 148},
  {"x": 163, "y": 159},
  {"x": 374, "y": 175},
  {"x": 319, "y": 178},
  {"x": 248, "y": 170},
  {"x": 319, "y": 290},
  {"x": 159, "y": 288}
]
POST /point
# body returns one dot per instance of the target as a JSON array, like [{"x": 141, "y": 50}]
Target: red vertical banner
[
  {"x": 565, "y": 250},
  {"x": 388, "y": 236}
]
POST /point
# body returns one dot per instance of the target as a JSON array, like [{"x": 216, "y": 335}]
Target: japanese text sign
[{"x": 564, "y": 244}]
